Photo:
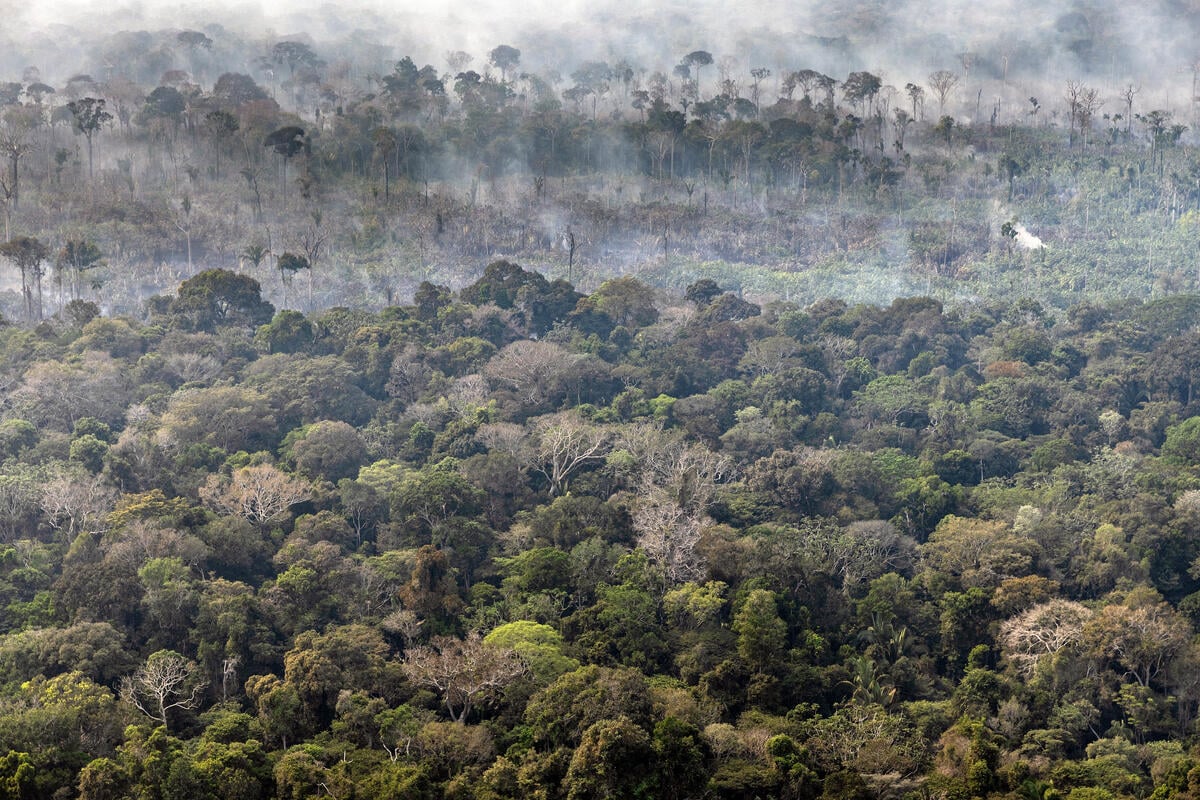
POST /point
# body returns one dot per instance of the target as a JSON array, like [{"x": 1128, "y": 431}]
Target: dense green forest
[
  {"x": 516, "y": 541},
  {"x": 733, "y": 432}
]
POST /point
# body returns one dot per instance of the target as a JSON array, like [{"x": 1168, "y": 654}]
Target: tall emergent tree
[
  {"x": 287, "y": 141},
  {"x": 28, "y": 253},
  {"x": 942, "y": 82},
  {"x": 504, "y": 58},
  {"x": 13, "y": 145},
  {"x": 78, "y": 256},
  {"x": 696, "y": 60},
  {"x": 89, "y": 117},
  {"x": 385, "y": 147},
  {"x": 289, "y": 264}
]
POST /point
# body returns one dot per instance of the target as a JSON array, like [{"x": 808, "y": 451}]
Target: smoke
[
  {"x": 1026, "y": 240},
  {"x": 1108, "y": 43}
]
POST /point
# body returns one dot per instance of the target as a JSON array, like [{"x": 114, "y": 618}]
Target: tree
[
  {"x": 331, "y": 450},
  {"x": 165, "y": 104},
  {"x": 103, "y": 779},
  {"x": 565, "y": 442},
  {"x": 942, "y": 83},
  {"x": 13, "y": 145},
  {"x": 287, "y": 141},
  {"x": 235, "y": 89},
  {"x": 702, "y": 292},
  {"x": 1082, "y": 104},
  {"x": 538, "y": 645},
  {"x": 1089, "y": 104},
  {"x": 1011, "y": 167},
  {"x": 295, "y": 55},
  {"x": 466, "y": 672},
  {"x": 614, "y": 761},
  {"x": 78, "y": 256},
  {"x": 303, "y": 389},
  {"x": 504, "y": 58},
  {"x": 696, "y": 60},
  {"x": 670, "y": 536},
  {"x": 28, "y": 253},
  {"x": 322, "y": 666},
  {"x": 560, "y": 714},
  {"x": 1141, "y": 635},
  {"x": 288, "y": 265},
  {"x": 385, "y": 142},
  {"x": 262, "y": 493},
  {"x": 917, "y": 95},
  {"x": 220, "y": 297},
  {"x": 431, "y": 496},
  {"x": 289, "y": 332},
  {"x": 1182, "y": 442},
  {"x": 687, "y": 473},
  {"x": 184, "y": 224},
  {"x": 945, "y": 128},
  {"x": 278, "y": 707},
  {"x": 194, "y": 41},
  {"x": 229, "y": 417},
  {"x": 166, "y": 682},
  {"x": 975, "y": 552},
  {"x": 75, "y": 503},
  {"x": 592, "y": 79},
  {"x": 860, "y": 87},
  {"x": 626, "y": 301},
  {"x": 220, "y": 125},
  {"x": 532, "y": 370},
  {"x": 1043, "y": 632},
  {"x": 762, "y": 634},
  {"x": 89, "y": 117},
  {"x": 254, "y": 253}
]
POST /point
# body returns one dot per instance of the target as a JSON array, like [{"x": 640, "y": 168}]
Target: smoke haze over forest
[
  {"x": 1151, "y": 44},
  {"x": 765, "y": 137}
]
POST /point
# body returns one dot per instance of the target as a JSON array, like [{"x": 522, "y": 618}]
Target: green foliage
[
  {"x": 594, "y": 694},
  {"x": 880, "y": 506},
  {"x": 288, "y": 332},
  {"x": 613, "y": 760},
  {"x": 217, "y": 297},
  {"x": 1183, "y": 441},
  {"x": 762, "y": 634},
  {"x": 332, "y": 450},
  {"x": 540, "y": 646}
]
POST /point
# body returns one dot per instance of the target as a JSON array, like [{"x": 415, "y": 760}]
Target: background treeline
[
  {"x": 339, "y": 178},
  {"x": 516, "y": 541}
]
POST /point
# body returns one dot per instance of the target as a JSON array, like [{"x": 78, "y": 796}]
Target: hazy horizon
[{"x": 1153, "y": 45}]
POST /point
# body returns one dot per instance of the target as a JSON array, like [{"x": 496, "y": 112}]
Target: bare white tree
[
  {"x": 688, "y": 472},
  {"x": 166, "y": 681},
  {"x": 193, "y": 367},
  {"x": 467, "y": 395},
  {"x": 942, "y": 83},
  {"x": 503, "y": 437},
  {"x": 1042, "y": 631},
  {"x": 565, "y": 442},
  {"x": 262, "y": 493},
  {"x": 404, "y": 623},
  {"x": 531, "y": 369},
  {"x": 466, "y": 672},
  {"x": 669, "y": 534},
  {"x": 74, "y": 502}
]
